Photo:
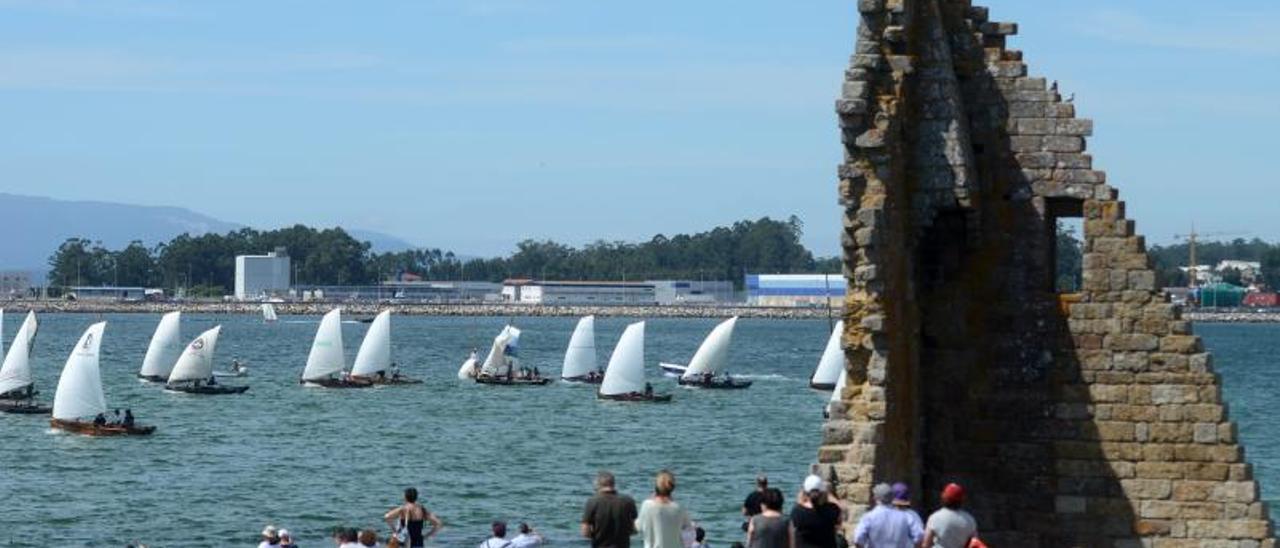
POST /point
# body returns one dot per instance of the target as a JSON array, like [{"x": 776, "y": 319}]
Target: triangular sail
[
  {"x": 713, "y": 356},
  {"x": 375, "y": 351},
  {"x": 15, "y": 374},
  {"x": 269, "y": 312},
  {"x": 196, "y": 362},
  {"x": 165, "y": 346},
  {"x": 79, "y": 392},
  {"x": 625, "y": 373},
  {"x": 326, "y": 356},
  {"x": 580, "y": 357},
  {"x": 832, "y": 362},
  {"x": 503, "y": 354},
  {"x": 844, "y": 378}
]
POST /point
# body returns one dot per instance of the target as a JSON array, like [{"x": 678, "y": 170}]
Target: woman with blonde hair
[{"x": 661, "y": 519}]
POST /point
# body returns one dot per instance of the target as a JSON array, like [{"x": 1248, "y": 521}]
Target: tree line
[
  {"x": 1170, "y": 259},
  {"x": 205, "y": 264}
]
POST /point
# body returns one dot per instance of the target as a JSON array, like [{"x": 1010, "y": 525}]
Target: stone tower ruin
[{"x": 1089, "y": 419}]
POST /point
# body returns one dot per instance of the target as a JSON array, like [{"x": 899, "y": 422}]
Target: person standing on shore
[
  {"x": 885, "y": 526},
  {"x": 950, "y": 526},
  {"x": 409, "y": 517},
  {"x": 769, "y": 528},
  {"x": 609, "y": 518},
  {"x": 751, "y": 506},
  {"x": 662, "y": 521},
  {"x": 902, "y": 501},
  {"x": 815, "y": 520}
]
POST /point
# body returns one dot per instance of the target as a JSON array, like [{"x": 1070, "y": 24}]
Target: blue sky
[{"x": 471, "y": 124}]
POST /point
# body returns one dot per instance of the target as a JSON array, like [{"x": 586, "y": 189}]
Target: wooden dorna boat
[
  {"x": 624, "y": 377},
  {"x": 827, "y": 374},
  {"x": 17, "y": 384},
  {"x": 580, "y": 356},
  {"x": 194, "y": 371},
  {"x": 166, "y": 345},
  {"x": 326, "y": 362},
  {"x": 79, "y": 392},
  {"x": 373, "y": 360}
]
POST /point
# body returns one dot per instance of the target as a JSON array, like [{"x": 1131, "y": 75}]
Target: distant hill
[{"x": 35, "y": 226}]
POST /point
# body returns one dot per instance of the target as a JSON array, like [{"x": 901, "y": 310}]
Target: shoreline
[{"x": 452, "y": 309}]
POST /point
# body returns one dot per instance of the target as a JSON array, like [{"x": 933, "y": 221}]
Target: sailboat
[
  {"x": 193, "y": 373},
  {"x": 269, "y": 312},
  {"x": 580, "y": 356},
  {"x": 163, "y": 350},
  {"x": 470, "y": 367},
  {"x": 326, "y": 361},
  {"x": 373, "y": 361},
  {"x": 712, "y": 359},
  {"x": 17, "y": 385},
  {"x": 624, "y": 377},
  {"x": 827, "y": 374},
  {"x": 502, "y": 365},
  {"x": 836, "y": 394},
  {"x": 79, "y": 393}
]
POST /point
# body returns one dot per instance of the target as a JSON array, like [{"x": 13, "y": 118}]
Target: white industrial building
[
  {"x": 578, "y": 293},
  {"x": 669, "y": 292},
  {"x": 262, "y": 276},
  {"x": 795, "y": 289}
]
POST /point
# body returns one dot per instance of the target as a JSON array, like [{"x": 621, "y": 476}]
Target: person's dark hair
[
  {"x": 604, "y": 480},
  {"x": 411, "y": 494},
  {"x": 524, "y": 528},
  {"x": 771, "y": 499},
  {"x": 699, "y": 534},
  {"x": 368, "y": 538},
  {"x": 499, "y": 529}
]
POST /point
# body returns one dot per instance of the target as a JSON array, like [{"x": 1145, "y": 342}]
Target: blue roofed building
[{"x": 795, "y": 289}]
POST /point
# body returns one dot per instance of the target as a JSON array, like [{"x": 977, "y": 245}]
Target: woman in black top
[
  {"x": 815, "y": 518},
  {"x": 410, "y": 516}
]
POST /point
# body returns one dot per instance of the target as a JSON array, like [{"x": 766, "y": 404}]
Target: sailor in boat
[
  {"x": 395, "y": 371},
  {"x": 235, "y": 365},
  {"x": 128, "y": 419},
  {"x": 100, "y": 420},
  {"x": 648, "y": 390},
  {"x": 117, "y": 419},
  {"x": 213, "y": 381}
]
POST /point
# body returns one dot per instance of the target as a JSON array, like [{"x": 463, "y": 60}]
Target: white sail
[
  {"x": 503, "y": 355},
  {"x": 165, "y": 346},
  {"x": 15, "y": 374},
  {"x": 326, "y": 356},
  {"x": 269, "y": 312},
  {"x": 713, "y": 356},
  {"x": 580, "y": 357},
  {"x": 844, "y": 378},
  {"x": 1, "y": 331},
  {"x": 196, "y": 362},
  {"x": 79, "y": 392},
  {"x": 375, "y": 351},
  {"x": 625, "y": 373},
  {"x": 468, "y": 369},
  {"x": 832, "y": 362}
]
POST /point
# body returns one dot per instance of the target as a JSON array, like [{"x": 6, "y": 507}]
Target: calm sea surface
[{"x": 220, "y": 468}]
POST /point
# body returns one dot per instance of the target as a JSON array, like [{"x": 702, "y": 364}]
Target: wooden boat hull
[
  {"x": 207, "y": 390},
  {"x": 389, "y": 381},
  {"x": 655, "y": 398},
  {"x": 822, "y": 385},
  {"x": 502, "y": 381},
  {"x": 339, "y": 383},
  {"x": 24, "y": 408},
  {"x": 153, "y": 378},
  {"x": 716, "y": 384},
  {"x": 584, "y": 379},
  {"x": 89, "y": 429}
]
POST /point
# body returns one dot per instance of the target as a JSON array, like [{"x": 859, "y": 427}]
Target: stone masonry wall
[{"x": 1091, "y": 419}]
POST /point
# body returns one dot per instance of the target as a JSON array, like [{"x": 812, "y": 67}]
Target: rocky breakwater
[
  {"x": 1239, "y": 316},
  {"x": 457, "y": 309}
]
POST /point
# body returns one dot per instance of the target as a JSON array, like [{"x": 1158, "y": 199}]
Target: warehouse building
[
  {"x": 578, "y": 293},
  {"x": 262, "y": 276},
  {"x": 795, "y": 289},
  {"x": 672, "y": 292},
  {"x": 423, "y": 292}
]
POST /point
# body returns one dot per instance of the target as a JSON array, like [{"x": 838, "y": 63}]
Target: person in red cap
[{"x": 950, "y": 526}]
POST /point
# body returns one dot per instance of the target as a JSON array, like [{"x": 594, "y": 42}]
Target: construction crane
[{"x": 1190, "y": 238}]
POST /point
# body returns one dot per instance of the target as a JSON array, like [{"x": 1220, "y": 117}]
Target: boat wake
[{"x": 765, "y": 377}]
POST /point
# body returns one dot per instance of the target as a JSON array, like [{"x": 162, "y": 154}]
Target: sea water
[{"x": 219, "y": 468}]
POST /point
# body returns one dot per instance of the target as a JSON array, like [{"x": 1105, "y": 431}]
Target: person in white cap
[
  {"x": 286, "y": 540},
  {"x": 270, "y": 538},
  {"x": 815, "y": 520}
]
